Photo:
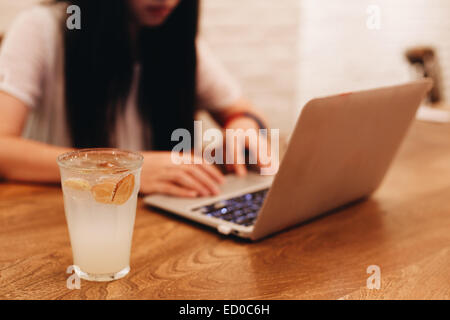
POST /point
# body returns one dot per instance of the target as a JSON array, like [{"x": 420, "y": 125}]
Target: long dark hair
[{"x": 99, "y": 64}]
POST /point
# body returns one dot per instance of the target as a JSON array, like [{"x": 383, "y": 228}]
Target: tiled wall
[
  {"x": 339, "y": 53},
  {"x": 257, "y": 41}
]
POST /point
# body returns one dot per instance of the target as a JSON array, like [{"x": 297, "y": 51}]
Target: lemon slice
[
  {"x": 124, "y": 190},
  {"x": 104, "y": 192},
  {"x": 77, "y": 184},
  {"x": 112, "y": 192}
]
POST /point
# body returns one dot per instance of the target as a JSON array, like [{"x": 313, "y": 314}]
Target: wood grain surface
[{"x": 404, "y": 229}]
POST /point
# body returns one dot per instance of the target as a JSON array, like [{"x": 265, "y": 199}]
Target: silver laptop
[{"x": 339, "y": 152}]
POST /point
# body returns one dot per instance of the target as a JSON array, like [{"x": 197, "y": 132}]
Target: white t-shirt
[{"x": 31, "y": 69}]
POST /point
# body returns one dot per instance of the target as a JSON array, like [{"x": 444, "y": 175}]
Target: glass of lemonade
[{"x": 100, "y": 188}]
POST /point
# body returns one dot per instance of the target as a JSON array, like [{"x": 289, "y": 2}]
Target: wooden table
[{"x": 404, "y": 229}]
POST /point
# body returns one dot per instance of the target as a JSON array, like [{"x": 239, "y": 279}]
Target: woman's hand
[
  {"x": 236, "y": 150},
  {"x": 161, "y": 175}
]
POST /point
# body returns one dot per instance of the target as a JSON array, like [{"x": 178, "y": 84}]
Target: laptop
[{"x": 338, "y": 153}]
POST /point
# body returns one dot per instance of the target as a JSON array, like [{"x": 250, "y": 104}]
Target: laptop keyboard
[{"x": 242, "y": 210}]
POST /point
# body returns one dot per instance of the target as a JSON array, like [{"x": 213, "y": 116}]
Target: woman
[{"x": 131, "y": 75}]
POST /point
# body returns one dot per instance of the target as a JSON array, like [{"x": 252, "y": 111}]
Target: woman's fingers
[
  {"x": 236, "y": 152},
  {"x": 184, "y": 179},
  {"x": 202, "y": 176},
  {"x": 160, "y": 175},
  {"x": 240, "y": 169},
  {"x": 171, "y": 189},
  {"x": 264, "y": 155},
  {"x": 212, "y": 171}
]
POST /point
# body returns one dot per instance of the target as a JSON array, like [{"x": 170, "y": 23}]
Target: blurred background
[
  {"x": 340, "y": 49},
  {"x": 286, "y": 52}
]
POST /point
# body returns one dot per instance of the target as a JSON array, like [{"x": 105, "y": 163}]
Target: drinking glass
[{"x": 100, "y": 188}]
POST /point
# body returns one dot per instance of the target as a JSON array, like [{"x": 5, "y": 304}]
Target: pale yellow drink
[{"x": 100, "y": 188}]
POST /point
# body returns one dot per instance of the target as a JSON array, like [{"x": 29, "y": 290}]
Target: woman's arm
[
  {"x": 21, "y": 159},
  {"x": 240, "y": 106},
  {"x": 31, "y": 161}
]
